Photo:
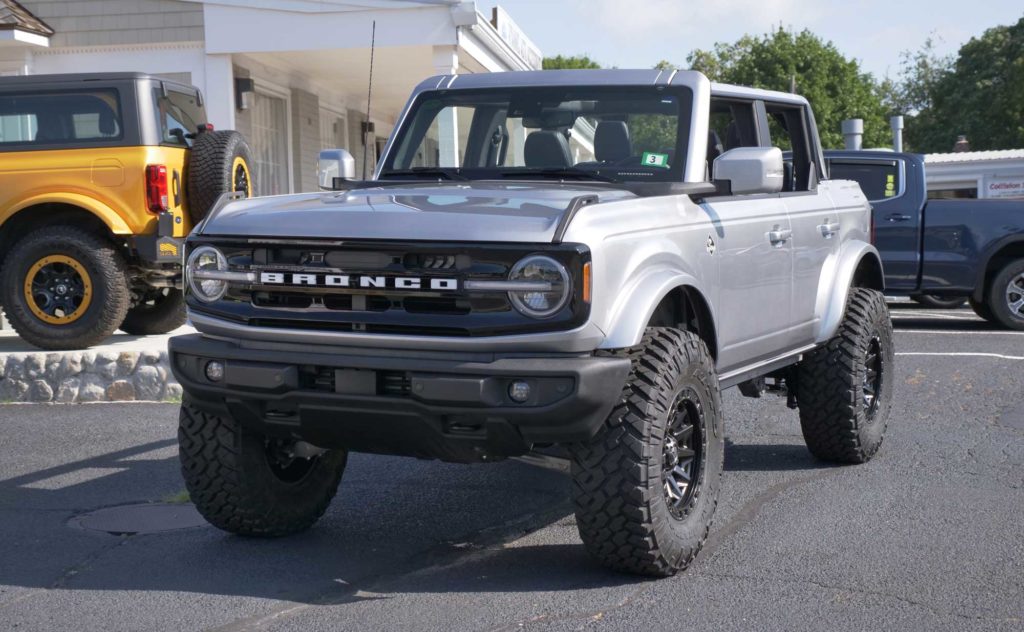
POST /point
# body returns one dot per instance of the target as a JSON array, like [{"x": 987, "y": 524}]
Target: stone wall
[{"x": 87, "y": 376}]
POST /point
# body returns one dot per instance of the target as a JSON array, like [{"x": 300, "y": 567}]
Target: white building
[
  {"x": 292, "y": 75},
  {"x": 976, "y": 174}
]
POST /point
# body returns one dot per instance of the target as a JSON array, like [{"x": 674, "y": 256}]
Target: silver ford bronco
[{"x": 558, "y": 262}]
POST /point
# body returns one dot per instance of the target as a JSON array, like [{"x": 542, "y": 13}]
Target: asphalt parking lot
[{"x": 927, "y": 536}]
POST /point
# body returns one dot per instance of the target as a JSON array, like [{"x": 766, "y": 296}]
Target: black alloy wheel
[
  {"x": 682, "y": 453},
  {"x": 872, "y": 387}
]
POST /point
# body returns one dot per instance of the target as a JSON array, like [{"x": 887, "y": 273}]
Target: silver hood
[{"x": 471, "y": 211}]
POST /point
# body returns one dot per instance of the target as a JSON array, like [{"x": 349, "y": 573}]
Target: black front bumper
[{"x": 451, "y": 406}]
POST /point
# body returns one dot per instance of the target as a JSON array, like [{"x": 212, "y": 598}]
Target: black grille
[
  {"x": 321, "y": 378},
  {"x": 373, "y": 328},
  {"x": 393, "y": 383},
  {"x": 389, "y": 309}
]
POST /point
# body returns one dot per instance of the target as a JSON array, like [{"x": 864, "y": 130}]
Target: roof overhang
[{"x": 18, "y": 37}]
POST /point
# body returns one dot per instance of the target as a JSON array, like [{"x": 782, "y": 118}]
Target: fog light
[
  {"x": 214, "y": 371},
  {"x": 519, "y": 391}
]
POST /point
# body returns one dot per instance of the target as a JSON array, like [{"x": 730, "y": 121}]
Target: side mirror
[
  {"x": 334, "y": 163},
  {"x": 750, "y": 170}
]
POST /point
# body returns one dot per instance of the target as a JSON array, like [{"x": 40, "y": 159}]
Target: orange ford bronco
[{"x": 101, "y": 178}]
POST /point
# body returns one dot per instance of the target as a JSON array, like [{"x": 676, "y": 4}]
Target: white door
[{"x": 270, "y": 144}]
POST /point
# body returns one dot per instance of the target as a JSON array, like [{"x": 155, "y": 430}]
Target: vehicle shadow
[
  {"x": 763, "y": 457},
  {"x": 392, "y": 517}
]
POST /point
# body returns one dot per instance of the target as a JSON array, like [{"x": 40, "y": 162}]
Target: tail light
[{"x": 156, "y": 188}]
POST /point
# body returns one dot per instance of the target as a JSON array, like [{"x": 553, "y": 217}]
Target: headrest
[
  {"x": 547, "y": 148},
  {"x": 107, "y": 123},
  {"x": 612, "y": 142},
  {"x": 733, "y": 139}
]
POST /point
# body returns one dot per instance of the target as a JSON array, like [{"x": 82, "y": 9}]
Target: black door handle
[{"x": 898, "y": 217}]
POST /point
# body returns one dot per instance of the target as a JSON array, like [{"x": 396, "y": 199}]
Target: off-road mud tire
[
  {"x": 166, "y": 313},
  {"x": 108, "y": 279},
  {"x": 997, "y": 296},
  {"x": 622, "y": 512},
  {"x": 231, "y": 483},
  {"x": 212, "y": 165},
  {"x": 838, "y": 425}
]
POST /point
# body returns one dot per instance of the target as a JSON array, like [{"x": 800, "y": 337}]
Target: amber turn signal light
[{"x": 586, "y": 282}]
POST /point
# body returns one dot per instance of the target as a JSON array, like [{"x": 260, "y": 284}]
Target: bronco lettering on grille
[{"x": 301, "y": 279}]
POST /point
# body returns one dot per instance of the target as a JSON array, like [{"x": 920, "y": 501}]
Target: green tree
[
  {"x": 783, "y": 60},
  {"x": 981, "y": 95},
  {"x": 570, "y": 62}
]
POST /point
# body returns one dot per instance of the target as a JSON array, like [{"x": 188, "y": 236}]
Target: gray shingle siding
[{"x": 115, "y": 22}]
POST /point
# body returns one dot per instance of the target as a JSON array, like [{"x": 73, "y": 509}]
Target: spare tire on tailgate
[{"x": 220, "y": 161}]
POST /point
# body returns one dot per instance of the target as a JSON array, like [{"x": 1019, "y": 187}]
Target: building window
[
  {"x": 968, "y": 193},
  {"x": 333, "y": 130},
  {"x": 270, "y": 143}
]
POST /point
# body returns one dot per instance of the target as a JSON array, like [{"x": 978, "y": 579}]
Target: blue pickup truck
[{"x": 948, "y": 249}]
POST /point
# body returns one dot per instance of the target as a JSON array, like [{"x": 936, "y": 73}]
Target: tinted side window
[
  {"x": 732, "y": 124},
  {"x": 879, "y": 181},
  {"x": 60, "y": 117},
  {"x": 788, "y": 131},
  {"x": 178, "y": 113}
]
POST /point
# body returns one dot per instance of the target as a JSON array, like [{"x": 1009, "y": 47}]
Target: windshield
[{"x": 619, "y": 134}]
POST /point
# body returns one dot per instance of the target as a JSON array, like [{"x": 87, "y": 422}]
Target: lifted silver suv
[{"x": 578, "y": 260}]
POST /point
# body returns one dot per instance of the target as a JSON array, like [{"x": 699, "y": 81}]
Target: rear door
[
  {"x": 816, "y": 222},
  {"x": 896, "y": 213}
]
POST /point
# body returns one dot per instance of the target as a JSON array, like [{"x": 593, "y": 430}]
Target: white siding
[{"x": 115, "y": 22}]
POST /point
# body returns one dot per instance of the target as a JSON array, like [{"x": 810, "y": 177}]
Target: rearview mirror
[
  {"x": 334, "y": 163},
  {"x": 750, "y": 170}
]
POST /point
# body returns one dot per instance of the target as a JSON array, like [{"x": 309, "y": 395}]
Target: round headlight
[
  {"x": 540, "y": 303},
  {"x": 206, "y": 259}
]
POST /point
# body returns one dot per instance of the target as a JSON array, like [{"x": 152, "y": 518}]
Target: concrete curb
[{"x": 87, "y": 376}]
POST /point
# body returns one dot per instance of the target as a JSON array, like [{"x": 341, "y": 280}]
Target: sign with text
[
  {"x": 514, "y": 36},
  {"x": 1004, "y": 187}
]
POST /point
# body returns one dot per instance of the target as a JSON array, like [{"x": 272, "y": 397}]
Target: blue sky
[{"x": 639, "y": 33}]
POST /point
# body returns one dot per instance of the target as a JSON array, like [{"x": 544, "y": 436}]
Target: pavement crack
[
  {"x": 752, "y": 508},
  {"x": 484, "y": 542},
  {"x": 69, "y": 573},
  {"x": 593, "y": 614}
]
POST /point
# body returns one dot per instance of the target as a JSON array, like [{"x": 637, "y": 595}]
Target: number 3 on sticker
[{"x": 655, "y": 160}]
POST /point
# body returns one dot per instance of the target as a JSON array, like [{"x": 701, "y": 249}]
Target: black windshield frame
[{"x": 413, "y": 128}]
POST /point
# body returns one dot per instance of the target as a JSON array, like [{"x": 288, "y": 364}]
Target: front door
[{"x": 752, "y": 237}]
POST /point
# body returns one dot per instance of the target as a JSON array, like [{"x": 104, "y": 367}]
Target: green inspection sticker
[
  {"x": 654, "y": 160},
  {"x": 890, "y": 185}
]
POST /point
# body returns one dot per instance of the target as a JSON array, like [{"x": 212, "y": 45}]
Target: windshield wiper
[
  {"x": 557, "y": 172},
  {"x": 428, "y": 172}
]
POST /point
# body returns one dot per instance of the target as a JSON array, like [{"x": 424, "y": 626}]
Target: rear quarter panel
[{"x": 110, "y": 182}]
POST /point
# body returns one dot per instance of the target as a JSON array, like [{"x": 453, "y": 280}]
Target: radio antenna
[{"x": 368, "y": 126}]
